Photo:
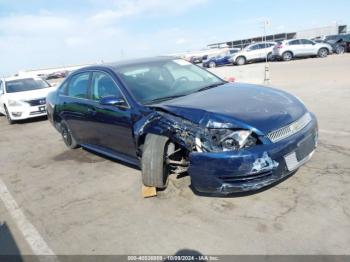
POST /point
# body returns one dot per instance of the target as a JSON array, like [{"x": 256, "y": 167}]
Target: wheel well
[
  {"x": 288, "y": 51},
  {"x": 323, "y": 48},
  {"x": 181, "y": 151},
  {"x": 241, "y": 56}
]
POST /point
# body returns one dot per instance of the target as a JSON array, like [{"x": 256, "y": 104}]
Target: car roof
[
  {"x": 11, "y": 78},
  {"x": 131, "y": 62},
  {"x": 263, "y": 42}
]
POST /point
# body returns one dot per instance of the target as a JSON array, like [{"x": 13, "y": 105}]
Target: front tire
[
  {"x": 8, "y": 116},
  {"x": 340, "y": 49},
  {"x": 68, "y": 137},
  {"x": 323, "y": 52},
  {"x": 155, "y": 171},
  {"x": 287, "y": 56},
  {"x": 241, "y": 60}
]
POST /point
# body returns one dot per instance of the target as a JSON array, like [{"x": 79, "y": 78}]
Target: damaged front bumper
[{"x": 252, "y": 168}]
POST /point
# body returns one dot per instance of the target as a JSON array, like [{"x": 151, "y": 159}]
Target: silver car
[
  {"x": 288, "y": 49},
  {"x": 253, "y": 52}
]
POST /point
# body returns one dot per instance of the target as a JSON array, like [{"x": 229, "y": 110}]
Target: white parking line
[
  {"x": 31, "y": 235},
  {"x": 331, "y": 132}
]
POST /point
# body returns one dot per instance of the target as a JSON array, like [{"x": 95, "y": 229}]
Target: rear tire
[
  {"x": 212, "y": 64},
  {"x": 8, "y": 116},
  {"x": 323, "y": 52},
  {"x": 241, "y": 60},
  {"x": 68, "y": 137},
  {"x": 155, "y": 171},
  {"x": 287, "y": 56},
  {"x": 270, "y": 57}
]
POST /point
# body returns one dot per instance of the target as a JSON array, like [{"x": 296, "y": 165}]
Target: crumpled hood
[{"x": 238, "y": 105}]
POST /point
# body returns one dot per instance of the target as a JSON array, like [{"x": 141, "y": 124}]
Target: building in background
[
  {"x": 48, "y": 71},
  {"x": 310, "y": 33}
]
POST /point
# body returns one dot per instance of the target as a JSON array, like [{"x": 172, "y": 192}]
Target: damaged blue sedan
[{"x": 169, "y": 116}]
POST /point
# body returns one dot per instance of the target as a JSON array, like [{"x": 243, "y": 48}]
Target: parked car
[
  {"x": 336, "y": 48},
  {"x": 22, "y": 98},
  {"x": 56, "y": 75},
  {"x": 288, "y": 49},
  {"x": 169, "y": 116},
  {"x": 223, "y": 59},
  {"x": 253, "y": 52},
  {"x": 340, "y": 42},
  {"x": 196, "y": 59}
]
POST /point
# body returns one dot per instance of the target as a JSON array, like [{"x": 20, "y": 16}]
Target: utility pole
[{"x": 267, "y": 66}]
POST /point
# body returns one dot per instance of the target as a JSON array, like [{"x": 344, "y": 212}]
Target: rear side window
[
  {"x": 254, "y": 47},
  {"x": 103, "y": 86},
  {"x": 79, "y": 85},
  {"x": 294, "y": 42},
  {"x": 306, "y": 42}
]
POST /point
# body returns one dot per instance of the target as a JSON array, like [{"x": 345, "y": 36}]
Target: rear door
[
  {"x": 112, "y": 125},
  {"x": 75, "y": 105},
  {"x": 265, "y": 49},
  {"x": 253, "y": 52}
]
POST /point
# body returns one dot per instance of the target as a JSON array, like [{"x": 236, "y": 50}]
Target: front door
[
  {"x": 308, "y": 47},
  {"x": 112, "y": 125}
]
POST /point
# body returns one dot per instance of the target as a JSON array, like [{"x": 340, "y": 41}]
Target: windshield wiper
[
  {"x": 210, "y": 86},
  {"x": 161, "y": 99}
]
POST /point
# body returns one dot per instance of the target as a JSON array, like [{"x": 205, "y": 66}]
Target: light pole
[{"x": 267, "y": 67}]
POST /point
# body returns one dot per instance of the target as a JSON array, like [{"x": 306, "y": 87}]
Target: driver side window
[{"x": 103, "y": 85}]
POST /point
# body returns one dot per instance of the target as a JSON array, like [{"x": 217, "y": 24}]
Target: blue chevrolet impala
[{"x": 169, "y": 116}]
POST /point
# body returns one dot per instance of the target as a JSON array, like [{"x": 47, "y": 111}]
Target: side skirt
[{"x": 112, "y": 154}]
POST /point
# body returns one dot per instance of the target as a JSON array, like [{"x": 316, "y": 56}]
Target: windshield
[
  {"x": 22, "y": 85},
  {"x": 163, "y": 80}
]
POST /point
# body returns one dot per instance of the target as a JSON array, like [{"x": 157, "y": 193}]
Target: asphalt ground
[{"x": 76, "y": 202}]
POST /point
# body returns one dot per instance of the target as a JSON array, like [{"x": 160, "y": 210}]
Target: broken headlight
[{"x": 218, "y": 140}]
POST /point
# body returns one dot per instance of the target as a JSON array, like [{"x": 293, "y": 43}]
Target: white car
[
  {"x": 288, "y": 49},
  {"x": 254, "y": 52},
  {"x": 22, "y": 98}
]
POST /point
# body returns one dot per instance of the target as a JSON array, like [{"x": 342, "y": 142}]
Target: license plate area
[
  {"x": 305, "y": 147},
  {"x": 302, "y": 154}
]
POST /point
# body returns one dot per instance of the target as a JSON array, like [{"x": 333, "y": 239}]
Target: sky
[{"x": 42, "y": 33}]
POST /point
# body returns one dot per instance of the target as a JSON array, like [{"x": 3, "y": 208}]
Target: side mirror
[{"x": 112, "y": 101}]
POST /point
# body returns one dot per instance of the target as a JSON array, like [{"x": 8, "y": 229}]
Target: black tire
[
  {"x": 287, "y": 56},
  {"x": 212, "y": 64},
  {"x": 241, "y": 60},
  {"x": 68, "y": 137},
  {"x": 8, "y": 117},
  {"x": 340, "y": 49},
  {"x": 323, "y": 52},
  {"x": 155, "y": 171},
  {"x": 270, "y": 57}
]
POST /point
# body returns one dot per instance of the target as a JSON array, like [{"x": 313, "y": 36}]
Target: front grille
[
  {"x": 291, "y": 129},
  {"x": 37, "y": 102}
]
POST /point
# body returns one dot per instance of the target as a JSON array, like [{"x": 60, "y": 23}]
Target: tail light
[{"x": 279, "y": 46}]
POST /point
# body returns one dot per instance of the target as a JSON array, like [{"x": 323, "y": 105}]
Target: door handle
[{"x": 91, "y": 110}]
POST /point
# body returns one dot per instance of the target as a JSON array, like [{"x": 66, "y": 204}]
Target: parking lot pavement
[
  {"x": 82, "y": 203},
  {"x": 251, "y": 73}
]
